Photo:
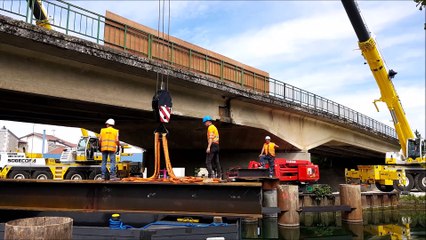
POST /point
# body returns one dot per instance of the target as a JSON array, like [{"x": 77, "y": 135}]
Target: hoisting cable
[
  {"x": 157, "y": 86},
  {"x": 162, "y": 45},
  {"x": 163, "y": 42},
  {"x": 169, "y": 45}
]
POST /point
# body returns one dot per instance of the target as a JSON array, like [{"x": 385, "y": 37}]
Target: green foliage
[
  {"x": 321, "y": 191},
  {"x": 420, "y": 3},
  {"x": 414, "y": 199}
]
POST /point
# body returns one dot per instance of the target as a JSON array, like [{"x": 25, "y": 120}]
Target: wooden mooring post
[
  {"x": 351, "y": 195},
  {"x": 288, "y": 202},
  {"x": 49, "y": 228}
]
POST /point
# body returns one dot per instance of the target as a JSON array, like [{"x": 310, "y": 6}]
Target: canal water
[{"x": 377, "y": 224}]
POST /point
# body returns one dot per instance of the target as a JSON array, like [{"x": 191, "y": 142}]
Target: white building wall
[
  {"x": 35, "y": 144},
  {"x": 8, "y": 141},
  {"x": 3, "y": 140}
]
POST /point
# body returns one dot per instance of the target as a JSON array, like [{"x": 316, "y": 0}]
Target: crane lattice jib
[{"x": 377, "y": 66}]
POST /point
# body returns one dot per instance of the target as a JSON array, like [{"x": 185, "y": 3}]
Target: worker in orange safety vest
[
  {"x": 108, "y": 139},
  {"x": 268, "y": 155}
]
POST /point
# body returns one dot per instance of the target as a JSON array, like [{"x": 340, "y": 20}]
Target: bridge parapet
[{"x": 73, "y": 20}]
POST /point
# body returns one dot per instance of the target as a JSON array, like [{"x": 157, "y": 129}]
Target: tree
[{"x": 422, "y": 4}]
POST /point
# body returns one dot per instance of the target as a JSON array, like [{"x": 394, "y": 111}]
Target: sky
[{"x": 308, "y": 44}]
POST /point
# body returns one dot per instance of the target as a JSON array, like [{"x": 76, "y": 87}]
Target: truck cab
[{"x": 87, "y": 151}]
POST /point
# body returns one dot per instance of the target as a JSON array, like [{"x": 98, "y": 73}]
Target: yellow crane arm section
[
  {"x": 388, "y": 93},
  {"x": 381, "y": 74}
]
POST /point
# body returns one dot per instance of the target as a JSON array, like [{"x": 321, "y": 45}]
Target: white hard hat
[
  {"x": 110, "y": 122},
  {"x": 267, "y": 138}
]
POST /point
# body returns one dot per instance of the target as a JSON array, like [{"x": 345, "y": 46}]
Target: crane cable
[
  {"x": 162, "y": 37},
  {"x": 168, "y": 43},
  {"x": 158, "y": 37}
]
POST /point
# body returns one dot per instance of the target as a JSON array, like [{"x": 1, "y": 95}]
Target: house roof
[
  {"x": 51, "y": 138},
  {"x": 57, "y": 150}
]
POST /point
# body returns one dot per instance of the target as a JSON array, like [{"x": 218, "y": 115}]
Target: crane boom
[{"x": 383, "y": 77}]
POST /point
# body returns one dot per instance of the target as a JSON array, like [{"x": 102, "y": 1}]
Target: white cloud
[
  {"x": 412, "y": 99},
  {"x": 295, "y": 38}
]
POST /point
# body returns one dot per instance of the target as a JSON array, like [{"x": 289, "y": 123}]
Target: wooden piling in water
[
  {"x": 351, "y": 195},
  {"x": 53, "y": 228},
  {"x": 289, "y": 233},
  {"x": 288, "y": 202}
]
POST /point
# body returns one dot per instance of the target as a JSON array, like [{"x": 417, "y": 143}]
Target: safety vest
[
  {"x": 269, "y": 149},
  {"x": 213, "y": 134},
  {"x": 109, "y": 137}
]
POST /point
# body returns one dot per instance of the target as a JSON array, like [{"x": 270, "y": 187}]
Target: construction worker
[
  {"x": 109, "y": 146},
  {"x": 268, "y": 155},
  {"x": 212, "y": 151}
]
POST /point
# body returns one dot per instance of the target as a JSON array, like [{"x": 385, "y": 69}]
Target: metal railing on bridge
[{"x": 76, "y": 21}]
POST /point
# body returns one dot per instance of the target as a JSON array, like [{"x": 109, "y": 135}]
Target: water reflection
[
  {"x": 393, "y": 231},
  {"x": 378, "y": 224}
]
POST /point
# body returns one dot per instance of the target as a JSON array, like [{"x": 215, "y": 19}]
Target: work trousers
[
  {"x": 271, "y": 161},
  {"x": 213, "y": 163},
  {"x": 105, "y": 155}
]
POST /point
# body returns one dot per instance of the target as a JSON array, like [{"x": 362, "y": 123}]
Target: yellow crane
[{"x": 412, "y": 157}]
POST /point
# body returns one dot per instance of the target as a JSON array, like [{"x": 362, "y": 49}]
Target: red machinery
[{"x": 302, "y": 171}]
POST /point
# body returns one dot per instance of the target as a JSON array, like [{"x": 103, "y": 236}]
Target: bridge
[{"x": 53, "y": 77}]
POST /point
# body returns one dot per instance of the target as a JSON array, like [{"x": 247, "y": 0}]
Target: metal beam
[{"x": 222, "y": 199}]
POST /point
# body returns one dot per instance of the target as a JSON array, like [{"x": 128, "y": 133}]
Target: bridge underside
[{"x": 136, "y": 126}]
